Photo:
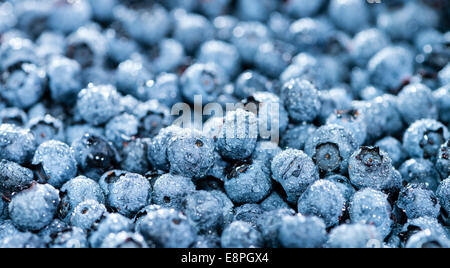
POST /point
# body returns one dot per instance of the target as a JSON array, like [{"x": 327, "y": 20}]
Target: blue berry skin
[
  {"x": 69, "y": 16},
  {"x": 112, "y": 224},
  {"x": 248, "y": 182},
  {"x": 132, "y": 77},
  {"x": 221, "y": 53},
  {"x": 13, "y": 116},
  {"x": 76, "y": 191},
  {"x": 3, "y": 213},
  {"x": 87, "y": 213},
  {"x": 394, "y": 149},
  {"x": 72, "y": 237},
  {"x": 87, "y": 46},
  {"x": 273, "y": 202},
  {"x": 97, "y": 104},
  {"x": 238, "y": 136},
  {"x": 444, "y": 75},
  {"x": 353, "y": 121},
  {"x": 146, "y": 25},
  {"x": 64, "y": 79},
  {"x": 22, "y": 240},
  {"x": 442, "y": 97},
  {"x": 323, "y": 199},
  {"x": 49, "y": 232},
  {"x": 302, "y": 8},
  {"x": 46, "y": 128},
  {"x": 207, "y": 241},
  {"x": 427, "y": 239},
  {"x": 122, "y": 129},
  {"x": 56, "y": 163},
  {"x": 223, "y": 27},
  {"x": 273, "y": 57},
  {"x": 330, "y": 147},
  {"x": 16, "y": 144},
  {"x": 241, "y": 235},
  {"x": 390, "y": 67},
  {"x": 269, "y": 223},
  {"x": 334, "y": 99},
  {"x": 102, "y": 10},
  {"x": 370, "y": 167},
  {"x": 16, "y": 50},
  {"x": 167, "y": 228},
  {"x": 301, "y": 100},
  {"x": 204, "y": 211},
  {"x": 157, "y": 150},
  {"x": 414, "y": 226},
  {"x": 7, "y": 18},
  {"x": 152, "y": 117},
  {"x": 350, "y": 16},
  {"x": 227, "y": 207},
  {"x": 13, "y": 179},
  {"x": 247, "y": 37},
  {"x": 250, "y": 82},
  {"x": 124, "y": 240},
  {"x": 125, "y": 192},
  {"x": 213, "y": 8},
  {"x": 278, "y": 23},
  {"x": 370, "y": 206},
  {"x": 366, "y": 44},
  {"x": 190, "y": 154},
  {"x": 302, "y": 232},
  {"x": 120, "y": 48},
  {"x": 295, "y": 171},
  {"x": 169, "y": 191},
  {"x": 354, "y": 236},
  {"x": 443, "y": 162},
  {"x": 307, "y": 67},
  {"x": 296, "y": 135},
  {"x": 443, "y": 194},
  {"x": 255, "y": 10},
  {"x": 424, "y": 137},
  {"x": 75, "y": 132},
  {"x": 7, "y": 229},
  {"x": 343, "y": 183},
  {"x": 265, "y": 151},
  {"x": 309, "y": 34},
  {"x": 206, "y": 80},
  {"x": 23, "y": 84},
  {"x": 419, "y": 170},
  {"x": 416, "y": 102},
  {"x": 249, "y": 213},
  {"x": 166, "y": 89},
  {"x": 134, "y": 156},
  {"x": 94, "y": 155},
  {"x": 192, "y": 30},
  {"x": 417, "y": 201},
  {"x": 34, "y": 208}
]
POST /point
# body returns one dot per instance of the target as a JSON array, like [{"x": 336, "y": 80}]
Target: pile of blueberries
[{"x": 91, "y": 156}]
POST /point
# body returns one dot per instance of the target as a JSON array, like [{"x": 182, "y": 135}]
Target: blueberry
[
  {"x": 46, "y": 128},
  {"x": 204, "y": 211},
  {"x": 427, "y": 239},
  {"x": 343, "y": 183},
  {"x": 295, "y": 171},
  {"x": 423, "y": 138},
  {"x": 370, "y": 206},
  {"x": 351, "y": 120},
  {"x": 241, "y": 235},
  {"x": 157, "y": 150},
  {"x": 167, "y": 228},
  {"x": 121, "y": 129},
  {"x": 102, "y": 10},
  {"x": 49, "y": 232},
  {"x": 8, "y": 18},
  {"x": 126, "y": 193},
  {"x": 302, "y": 232},
  {"x": 124, "y": 240},
  {"x": 366, "y": 44},
  {"x": 13, "y": 116},
  {"x": 419, "y": 170},
  {"x": 75, "y": 132},
  {"x": 227, "y": 207},
  {"x": 133, "y": 77},
  {"x": 248, "y": 182},
  {"x": 192, "y": 30},
  {"x": 302, "y": 8},
  {"x": 444, "y": 75},
  {"x": 301, "y": 100},
  {"x": 120, "y": 46},
  {"x": 68, "y": 16},
  {"x": 394, "y": 149},
  {"x": 76, "y": 191},
  {"x": 414, "y": 226},
  {"x": 350, "y": 15},
  {"x": 22, "y": 240},
  {"x": 323, "y": 199},
  {"x": 152, "y": 118},
  {"x": 94, "y": 155},
  {"x": 443, "y": 195},
  {"x": 207, "y": 241},
  {"x": 250, "y": 82},
  {"x": 190, "y": 154},
  {"x": 7, "y": 229},
  {"x": 87, "y": 214},
  {"x": 273, "y": 57},
  {"x": 442, "y": 162},
  {"x": 370, "y": 167},
  {"x": 72, "y": 237},
  {"x": 354, "y": 236},
  {"x": 3, "y": 213},
  {"x": 34, "y": 208},
  {"x": 273, "y": 202},
  {"x": 168, "y": 56},
  {"x": 269, "y": 224},
  {"x": 221, "y": 53},
  {"x": 166, "y": 89},
  {"x": 238, "y": 135},
  {"x": 17, "y": 144},
  {"x": 416, "y": 102},
  {"x": 417, "y": 201},
  {"x": 112, "y": 224},
  {"x": 169, "y": 190},
  {"x": 247, "y": 37},
  {"x": 332, "y": 100},
  {"x": 97, "y": 104},
  {"x": 442, "y": 96},
  {"x": 64, "y": 79},
  {"x": 256, "y": 10},
  {"x": 330, "y": 148},
  {"x": 265, "y": 151},
  {"x": 134, "y": 156},
  {"x": 307, "y": 67},
  {"x": 309, "y": 34},
  {"x": 296, "y": 135},
  {"x": 249, "y": 213},
  {"x": 14, "y": 178},
  {"x": 87, "y": 46},
  {"x": 223, "y": 27}
]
